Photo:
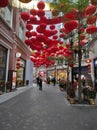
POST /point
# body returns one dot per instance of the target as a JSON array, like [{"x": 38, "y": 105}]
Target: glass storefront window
[
  {"x": 21, "y": 73},
  {"x": 3, "y": 57}
]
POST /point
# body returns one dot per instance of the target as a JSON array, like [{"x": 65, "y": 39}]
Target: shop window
[
  {"x": 21, "y": 73},
  {"x": 3, "y": 57}
]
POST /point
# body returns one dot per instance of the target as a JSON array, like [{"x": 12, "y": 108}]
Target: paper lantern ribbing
[
  {"x": 25, "y": 16},
  {"x": 91, "y": 29},
  {"x": 3, "y": 3},
  {"x": 41, "y": 5}
]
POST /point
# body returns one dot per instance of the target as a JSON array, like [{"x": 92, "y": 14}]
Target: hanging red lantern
[
  {"x": 41, "y": 5},
  {"x": 33, "y": 11},
  {"x": 34, "y": 33},
  {"x": 25, "y": 1},
  {"x": 3, "y": 3},
  {"x": 82, "y": 36},
  {"x": 52, "y": 27},
  {"x": 91, "y": 20},
  {"x": 89, "y": 68},
  {"x": 28, "y": 34},
  {"x": 29, "y": 26},
  {"x": 18, "y": 59},
  {"x": 71, "y": 65},
  {"x": 70, "y": 25},
  {"x": 33, "y": 19},
  {"x": 91, "y": 29},
  {"x": 25, "y": 16},
  {"x": 93, "y": 2},
  {"x": 28, "y": 42},
  {"x": 90, "y": 10},
  {"x": 40, "y": 13},
  {"x": 17, "y": 67},
  {"x": 82, "y": 43},
  {"x": 72, "y": 15},
  {"x": 55, "y": 37},
  {"x": 62, "y": 35}
]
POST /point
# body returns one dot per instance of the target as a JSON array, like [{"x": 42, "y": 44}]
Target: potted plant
[
  {"x": 62, "y": 84},
  {"x": 92, "y": 96},
  {"x": 70, "y": 94},
  {"x": 8, "y": 86},
  {"x": 85, "y": 94},
  {"x": 2, "y": 85}
]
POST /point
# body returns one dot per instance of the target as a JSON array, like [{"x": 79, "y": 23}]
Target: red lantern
[
  {"x": 62, "y": 35},
  {"x": 25, "y": 1},
  {"x": 29, "y": 26},
  {"x": 91, "y": 20},
  {"x": 52, "y": 27},
  {"x": 93, "y": 2},
  {"x": 28, "y": 34},
  {"x": 3, "y": 3},
  {"x": 89, "y": 68},
  {"x": 33, "y": 11},
  {"x": 34, "y": 33},
  {"x": 82, "y": 36},
  {"x": 90, "y": 10},
  {"x": 18, "y": 59},
  {"x": 28, "y": 42},
  {"x": 40, "y": 13},
  {"x": 91, "y": 29},
  {"x": 25, "y": 16},
  {"x": 71, "y": 65},
  {"x": 33, "y": 19},
  {"x": 70, "y": 25},
  {"x": 72, "y": 15},
  {"x": 55, "y": 37},
  {"x": 41, "y": 5}
]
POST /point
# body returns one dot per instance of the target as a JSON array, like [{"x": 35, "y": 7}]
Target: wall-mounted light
[{"x": 18, "y": 54}]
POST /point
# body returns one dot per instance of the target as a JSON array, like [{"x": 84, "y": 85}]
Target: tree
[{"x": 78, "y": 16}]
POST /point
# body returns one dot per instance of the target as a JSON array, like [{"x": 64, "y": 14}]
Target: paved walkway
[
  {"x": 48, "y": 109},
  {"x": 6, "y": 96}
]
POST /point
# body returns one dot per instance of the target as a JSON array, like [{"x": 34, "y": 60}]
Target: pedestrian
[
  {"x": 40, "y": 82},
  {"x": 54, "y": 81},
  {"x": 83, "y": 82},
  {"x": 48, "y": 80},
  {"x": 96, "y": 84},
  {"x": 37, "y": 81}
]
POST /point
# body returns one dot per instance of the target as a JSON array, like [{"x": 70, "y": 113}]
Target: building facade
[{"x": 14, "y": 54}]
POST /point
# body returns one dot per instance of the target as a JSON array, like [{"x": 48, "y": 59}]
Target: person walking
[
  {"x": 40, "y": 82},
  {"x": 54, "y": 81},
  {"x": 37, "y": 81}
]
